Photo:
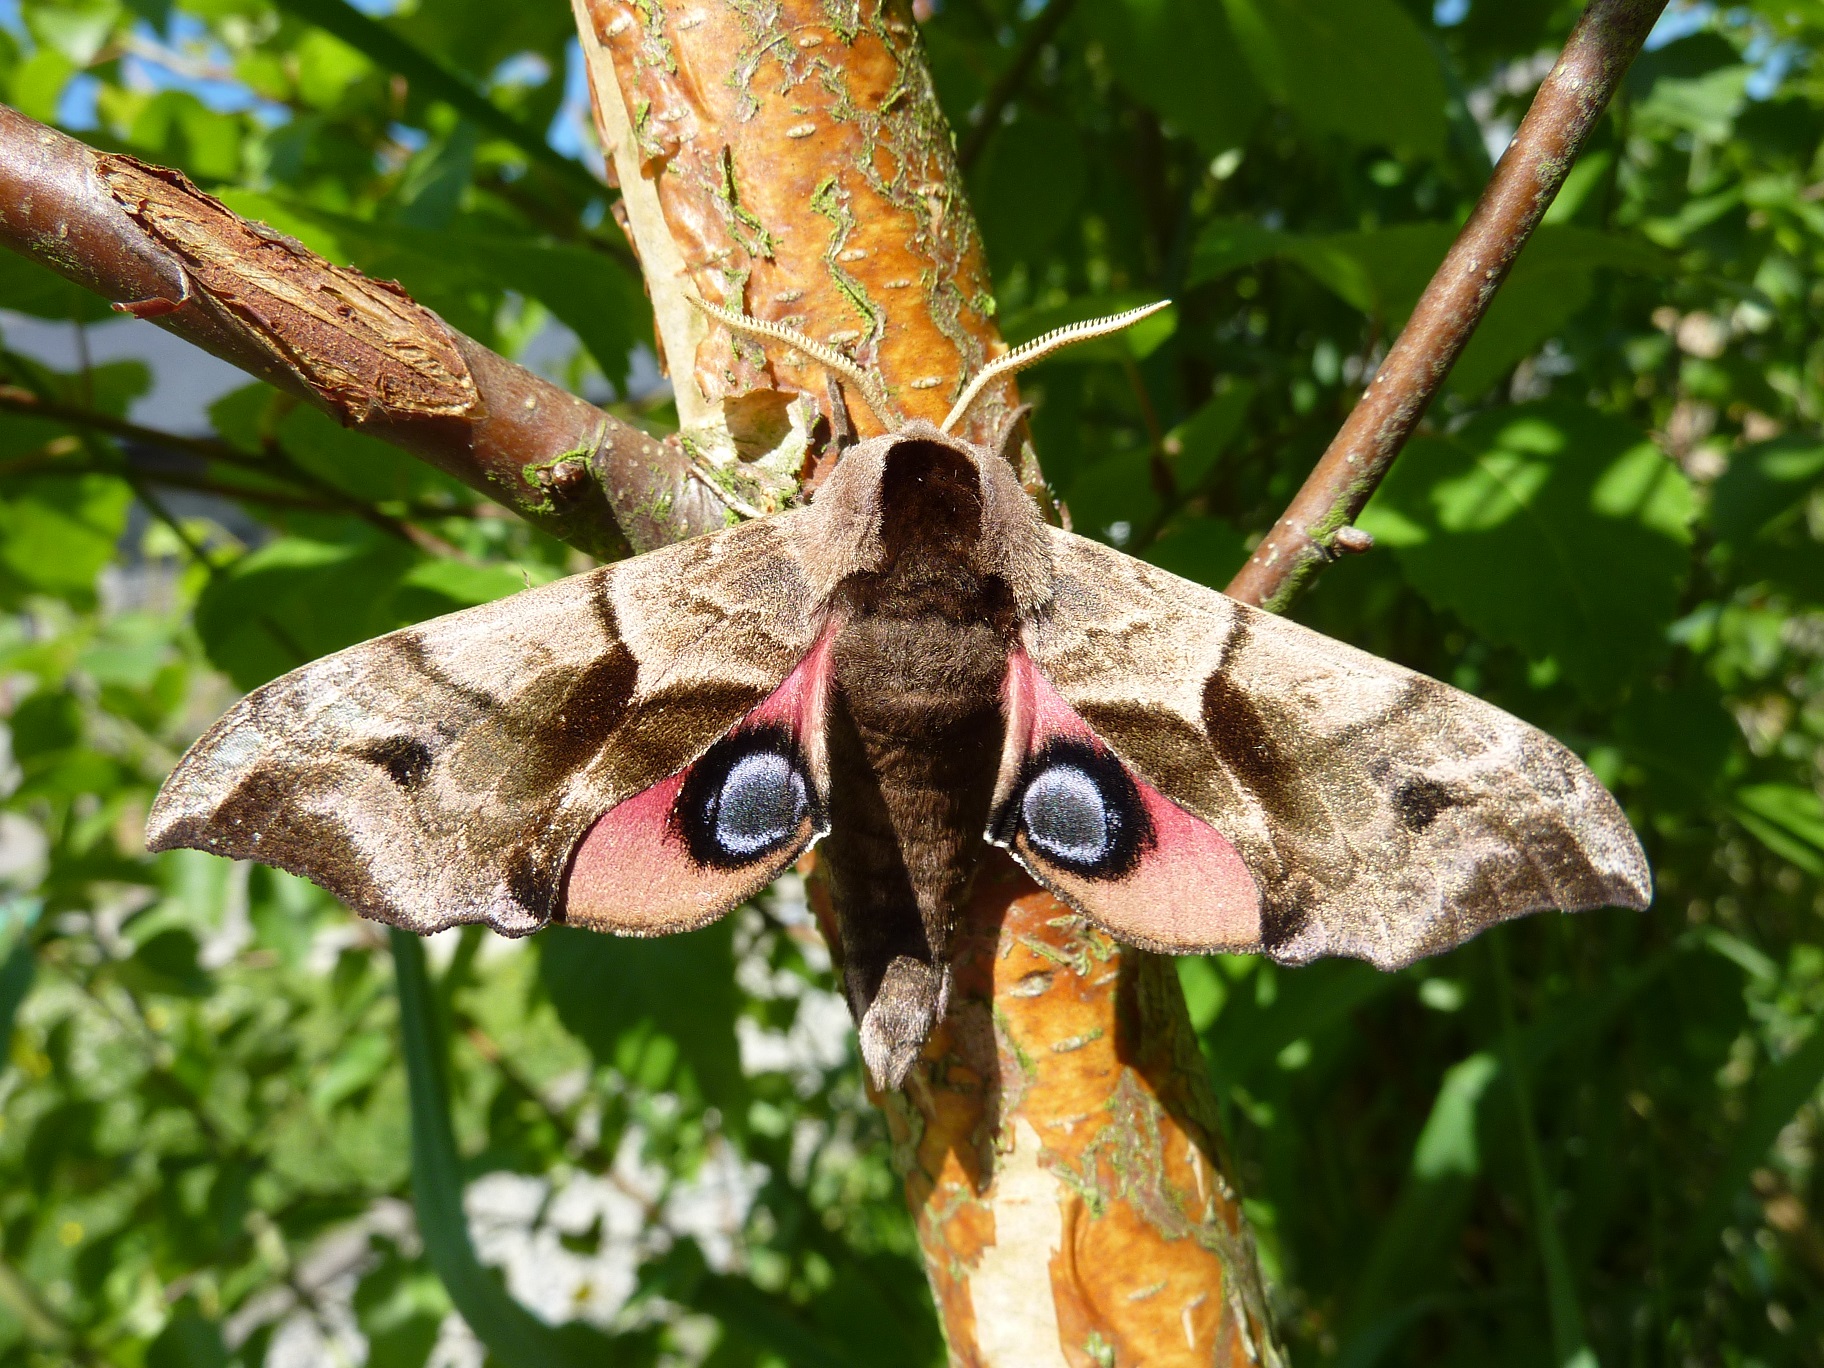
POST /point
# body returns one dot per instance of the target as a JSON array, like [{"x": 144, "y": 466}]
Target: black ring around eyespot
[
  {"x": 697, "y": 814},
  {"x": 1128, "y": 831}
]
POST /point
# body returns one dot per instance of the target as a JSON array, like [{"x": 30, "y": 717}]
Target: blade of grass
[
  {"x": 1571, "y": 1348},
  {"x": 514, "y": 1336}
]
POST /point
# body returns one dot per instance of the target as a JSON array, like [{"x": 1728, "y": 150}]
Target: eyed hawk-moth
[{"x": 910, "y": 668}]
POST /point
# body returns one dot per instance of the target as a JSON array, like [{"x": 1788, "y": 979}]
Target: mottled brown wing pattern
[
  {"x": 444, "y": 774},
  {"x": 1384, "y": 815}
]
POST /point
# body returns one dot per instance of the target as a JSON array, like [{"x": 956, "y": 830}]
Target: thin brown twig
[
  {"x": 14, "y": 399},
  {"x": 1564, "y": 113},
  {"x": 1007, "y": 85}
]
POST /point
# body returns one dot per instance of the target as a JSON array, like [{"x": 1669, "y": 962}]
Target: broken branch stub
[
  {"x": 360, "y": 349},
  {"x": 790, "y": 163}
]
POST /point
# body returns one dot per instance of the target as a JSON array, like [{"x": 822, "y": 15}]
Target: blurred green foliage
[{"x": 235, "y": 1128}]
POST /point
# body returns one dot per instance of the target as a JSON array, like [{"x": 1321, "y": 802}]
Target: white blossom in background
[
  {"x": 519, "y": 1224},
  {"x": 456, "y": 1346},
  {"x": 315, "y": 1307},
  {"x": 820, "y": 1037}
]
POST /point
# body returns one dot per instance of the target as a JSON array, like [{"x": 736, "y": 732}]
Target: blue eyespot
[
  {"x": 745, "y": 799},
  {"x": 1078, "y": 809},
  {"x": 1066, "y": 816},
  {"x": 762, "y": 803}
]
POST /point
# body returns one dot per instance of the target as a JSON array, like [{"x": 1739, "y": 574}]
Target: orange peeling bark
[
  {"x": 805, "y": 176},
  {"x": 1060, "y": 1158}
]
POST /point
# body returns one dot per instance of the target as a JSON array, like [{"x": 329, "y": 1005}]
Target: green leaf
[
  {"x": 56, "y": 534},
  {"x": 1447, "y": 1144},
  {"x": 1551, "y": 528},
  {"x": 1206, "y": 550},
  {"x": 1758, "y": 512},
  {"x": 1031, "y": 179},
  {"x": 1360, "y": 70},
  {"x": 1115, "y": 500},
  {"x": 1226, "y": 245},
  {"x": 76, "y": 28},
  {"x": 1684, "y": 737},
  {"x": 392, "y": 52},
  {"x": 1180, "y": 58},
  {"x": 28, "y": 288},
  {"x": 16, "y": 973},
  {"x": 176, "y": 128},
  {"x": 1195, "y": 445},
  {"x": 661, "y": 1011},
  {"x": 189, "y": 1340},
  {"x": 1704, "y": 106},
  {"x": 1787, "y": 819},
  {"x": 1383, "y": 271},
  {"x": 294, "y": 600},
  {"x": 1766, "y": 487},
  {"x": 362, "y": 466},
  {"x": 433, "y": 588},
  {"x": 38, "y": 84}
]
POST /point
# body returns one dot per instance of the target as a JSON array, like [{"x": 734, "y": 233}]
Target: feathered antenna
[
  {"x": 872, "y": 388},
  {"x": 1030, "y": 353}
]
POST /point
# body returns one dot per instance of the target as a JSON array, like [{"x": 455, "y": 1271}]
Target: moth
[{"x": 911, "y": 668}]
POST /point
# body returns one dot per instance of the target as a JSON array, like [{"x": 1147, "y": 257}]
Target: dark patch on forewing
[
  {"x": 406, "y": 759},
  {"x": 415, "y": 656},
  {"x": 1419, "y": 800},
  {"x": 551, "y": 728},
  {"x": 584, "y": 709},
  {"x": 1166, "y": 751},
  {"x": 1243, "y": 740},
  {"x": 532, "y": 884},
  {"x": 678, "y": 723},
  {"x": 263, "y": 819},
  {"x": 1284, "y": 914}
]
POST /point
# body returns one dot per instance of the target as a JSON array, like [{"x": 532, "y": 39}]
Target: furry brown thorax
[{"x": 915, "y": 739}]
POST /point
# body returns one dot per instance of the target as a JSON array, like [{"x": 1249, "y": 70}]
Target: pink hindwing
[
  {"x": 1106, "y": 841},
  {"x": 698, "y": 843}
]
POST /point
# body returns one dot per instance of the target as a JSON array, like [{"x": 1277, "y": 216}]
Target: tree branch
[
  {"x": 359, "y": 349},
  {"x": 1564, "y": 113},
  {"x": 14, "y": 399}
]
